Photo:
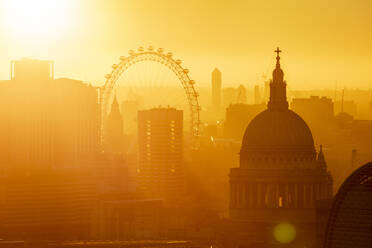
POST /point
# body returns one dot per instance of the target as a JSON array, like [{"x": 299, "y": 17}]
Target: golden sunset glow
[
  {"x": 36, "y": 19},
  {"x": 185, "y": 123}
]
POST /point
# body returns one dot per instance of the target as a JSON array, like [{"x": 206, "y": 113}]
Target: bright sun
[{"x": 31, "y": 19}]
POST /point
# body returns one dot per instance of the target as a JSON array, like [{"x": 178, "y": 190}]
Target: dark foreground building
[
  {"x": 350, "y": 220},
  {"x": 281, "y": 176}
]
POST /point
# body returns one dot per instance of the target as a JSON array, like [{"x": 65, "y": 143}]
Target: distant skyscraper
[
  {"x": 160, "y": 142},
  {"x": 257, "y": 95},
  {"x": 216, "y": 88},
  {"x": 114, "y": 132}
]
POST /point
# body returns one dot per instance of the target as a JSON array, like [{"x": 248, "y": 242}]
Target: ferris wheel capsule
[
  {"x": 160, "y": 50},
  {"x": 186, "y": 71},
  {"x": 140, "y": 49},
  {"x": 150, "y": 48},
  {"x": 122, "y": 58},
  {"x": 108, "y": 76},
  {"x": 131, "y": 52},
  {"x": 169, "y": 55},
  {"x": 114, "y": 66},
  {"x": 178, "y": 61},
  {"x": 192, "y": 82}
]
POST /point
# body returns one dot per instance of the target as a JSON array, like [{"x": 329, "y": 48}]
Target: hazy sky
[{"x": 322, "y": 41}]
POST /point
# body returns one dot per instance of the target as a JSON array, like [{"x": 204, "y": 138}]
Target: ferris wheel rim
[{"x": 162, "y": 58}]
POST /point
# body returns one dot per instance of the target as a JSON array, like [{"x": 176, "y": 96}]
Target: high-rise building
[
  {"x": 46, "y": 122},
  {"x": 280, "y": 177},
  {"x": 160, "y": 142},
  {"x": 216, "y": 88},
  {"x": 77, "y": 125}
]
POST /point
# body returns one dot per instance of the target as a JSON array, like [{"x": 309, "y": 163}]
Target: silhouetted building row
[{"x": 52, "y": 166}]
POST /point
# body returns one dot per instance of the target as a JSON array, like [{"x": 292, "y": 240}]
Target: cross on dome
[{"x": 277, "y": 51}]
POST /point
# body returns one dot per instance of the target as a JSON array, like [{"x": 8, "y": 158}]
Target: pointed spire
[
  {"x": 115, "y": 104},
  {"x": 278, "y": 93}
]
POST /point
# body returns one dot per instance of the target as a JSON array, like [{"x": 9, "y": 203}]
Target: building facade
[{"x": 160, "y": 142}]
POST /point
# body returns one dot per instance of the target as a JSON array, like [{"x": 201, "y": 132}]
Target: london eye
[{"x": 151, "y": 78}]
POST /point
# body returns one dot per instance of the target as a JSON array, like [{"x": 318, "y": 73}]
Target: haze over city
[
  {"x": 185, "y": 124},
  {"x": 325, "y": 41}
]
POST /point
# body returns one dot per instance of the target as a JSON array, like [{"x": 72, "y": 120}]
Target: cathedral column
[
  {"x": 259, "y": 197},
  {"x": 244, "y": 202},
  {"x": 277, "y": 195},
  {"x": 296, "y": 195},
  {"x": 286, "y": 197},
  {"x": 250, "y": 195}
]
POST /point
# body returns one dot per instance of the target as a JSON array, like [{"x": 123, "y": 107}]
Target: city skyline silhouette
[{"x": 185, "y": 124}]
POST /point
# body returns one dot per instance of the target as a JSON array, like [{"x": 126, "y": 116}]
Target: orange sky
[{"x": 322, "y": 41}]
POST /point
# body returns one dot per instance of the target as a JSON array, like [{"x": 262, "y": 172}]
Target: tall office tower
[
  {"x": 257, "y": 95},
  {"x": 160, "y": 142},
  {"x": 216, "y": 88},
  {"x": 78, "y": 126},
  {"x": 45, "y": 121},
  {"x": 114, "y": 133},
  {"x": 28, "y": 114}
]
